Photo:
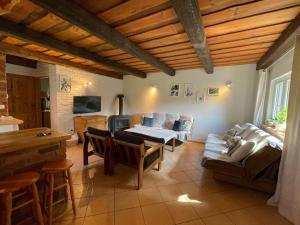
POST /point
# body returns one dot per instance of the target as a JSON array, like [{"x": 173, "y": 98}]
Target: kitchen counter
[{"x": 24, "y": 150}]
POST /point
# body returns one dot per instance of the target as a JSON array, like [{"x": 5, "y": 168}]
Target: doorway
[{"x": 24, "y": 100}]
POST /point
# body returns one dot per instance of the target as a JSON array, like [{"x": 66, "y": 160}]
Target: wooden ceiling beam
[
  {"x": 190, "y": 17},
  {"x": 75, "y": 14},
  {"x": 284, "y": 43},
  {"x": 28, "y": 35},
  {"x": 23, "y": 52}
]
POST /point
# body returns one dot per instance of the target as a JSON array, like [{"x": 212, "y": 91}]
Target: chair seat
[
  {"x": 57, "y": 166},
  {"x": 150, "y": 158},
  {"x": 18, "y": 181}
]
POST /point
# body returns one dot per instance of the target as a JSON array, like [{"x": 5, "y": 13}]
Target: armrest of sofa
[{"x": 232, "y": 169}]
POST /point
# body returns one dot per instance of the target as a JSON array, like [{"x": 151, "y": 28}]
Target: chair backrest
[
  {"x": 99, "y": 139},
  {"x": 129, "y": 149}
]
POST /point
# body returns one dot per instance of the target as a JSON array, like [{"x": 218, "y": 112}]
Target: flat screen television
[{"x": 86, "y": 104}]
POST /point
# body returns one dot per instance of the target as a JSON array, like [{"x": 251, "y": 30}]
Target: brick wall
[{"x": 3, "y": 85}]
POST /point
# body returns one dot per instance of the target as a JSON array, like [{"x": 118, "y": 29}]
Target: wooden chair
[
  {"x": 51, "y": 169},
  {"x": 101, "y": 142},
  {"x": 16, "y": 187},
  {"x": 130, "y": 150}
]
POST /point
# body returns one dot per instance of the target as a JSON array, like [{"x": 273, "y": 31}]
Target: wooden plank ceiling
[{"x": 237, "y": 32}]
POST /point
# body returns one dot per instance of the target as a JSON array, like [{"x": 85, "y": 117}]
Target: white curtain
[
  {"x": 287, "y": 195},
  {"x": 260, "y": 97}
]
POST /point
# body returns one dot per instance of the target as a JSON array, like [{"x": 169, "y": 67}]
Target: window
[{"x": 280, "y": 89}]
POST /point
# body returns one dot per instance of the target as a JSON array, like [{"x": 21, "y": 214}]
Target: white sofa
[
  {"x": 215, "y": 147},
  {"x": 165, "y": 121}
]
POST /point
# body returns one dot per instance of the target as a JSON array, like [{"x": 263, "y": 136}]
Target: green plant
[{"x": 282, "y": 116}]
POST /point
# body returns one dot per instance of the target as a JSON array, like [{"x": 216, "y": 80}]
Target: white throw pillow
[{"x": 243, "y": 151}]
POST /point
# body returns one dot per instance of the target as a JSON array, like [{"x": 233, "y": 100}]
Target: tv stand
[{"x": 81, "y": 123}]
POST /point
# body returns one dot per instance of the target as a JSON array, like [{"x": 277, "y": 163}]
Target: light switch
[{"x": 2, "y": 106}]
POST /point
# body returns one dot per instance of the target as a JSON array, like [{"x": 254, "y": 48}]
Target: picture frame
[
  {"x": 174, "y": 90},
  {"x": 65, "y": 83},
  {"x": 213, "y": 91},
  {"x": 188, "y": 90}
]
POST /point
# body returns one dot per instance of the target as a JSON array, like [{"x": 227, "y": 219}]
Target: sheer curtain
[
  {"x": 287, "y": 195},
  {"x": 260, "y": 97}
]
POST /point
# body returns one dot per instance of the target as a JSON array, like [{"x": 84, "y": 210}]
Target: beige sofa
[
  {"x": 257, "y": 168},
  {"x": 164, "y": 121}
]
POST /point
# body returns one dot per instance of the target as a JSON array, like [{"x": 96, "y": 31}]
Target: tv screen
[{"x": 86, "y": 104}]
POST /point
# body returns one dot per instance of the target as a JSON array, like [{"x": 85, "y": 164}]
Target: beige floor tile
[
  {"x": 81, "y": 206},
  {"x": 181, "y": 212},
  {"x": 103, "y": 219},
  {"x": 102, "y": 204},
  {"x": 170, "y": 192},
  {"x": 125, "y": 200},
  {"x": 267, "y": 215},
  {"x": 207, "y": 208},
  {"x": 78, "y": 221},
  {"x": 157, "y": 214},
  {"x": 82, "y": 190},
  {"x": 194, "y": 222},
  {"x": 243, "y": 217},
  {"x": 218, "y": 220},
  {"x": 132, "y": 216},
  {"x": 149, "y": 196},
  {"x": 182, "y": 181},
  {"x": 101, "y": 189}
]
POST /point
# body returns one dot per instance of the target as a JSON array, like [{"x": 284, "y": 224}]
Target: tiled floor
[{"x": 181, "y": 193}]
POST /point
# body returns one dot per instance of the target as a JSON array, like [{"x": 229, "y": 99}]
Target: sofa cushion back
[
  {"x": 159, "y": 119},
  {"x": 170, "y": 119}
]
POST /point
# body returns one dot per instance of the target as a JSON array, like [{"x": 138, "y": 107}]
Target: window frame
[{"x": 286, "y": 78}]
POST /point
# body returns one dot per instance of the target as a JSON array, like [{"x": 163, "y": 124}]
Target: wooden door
[{"x": 24, "y": 101}]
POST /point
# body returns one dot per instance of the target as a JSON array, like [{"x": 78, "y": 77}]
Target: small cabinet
[{"x": 81, "y": 123}]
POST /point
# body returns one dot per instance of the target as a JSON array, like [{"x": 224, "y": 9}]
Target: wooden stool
[
  {"x": 23, "y": 181},
  {"x": 50, "y": 170}
]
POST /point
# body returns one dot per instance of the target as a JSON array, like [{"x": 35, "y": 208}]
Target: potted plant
[{"x": 281, "y": 120}]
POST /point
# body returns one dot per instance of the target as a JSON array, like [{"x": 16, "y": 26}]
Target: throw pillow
[
  {"x": 230, "y": 133},
  {"x": 177, "y": 125},
  {"x": 148, "y": 122},
  {"x": 232, "y": 142},
  {"x": 186, "y": 125},
  {"x": 242, "y": 152}
]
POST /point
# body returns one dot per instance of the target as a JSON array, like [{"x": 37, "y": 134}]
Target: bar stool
[
  {"x": 23, "y": 181},
  {"x": 51, "y": 169}
]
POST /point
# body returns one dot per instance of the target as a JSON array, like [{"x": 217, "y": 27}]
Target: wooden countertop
[
  {"x": 10, "y": 121},
  {"x": 18, "y": 140}
]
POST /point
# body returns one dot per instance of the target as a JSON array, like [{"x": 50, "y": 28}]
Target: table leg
[{"x": 173, "y": 144}]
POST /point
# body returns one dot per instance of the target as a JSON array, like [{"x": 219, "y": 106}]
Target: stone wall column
[{"x": 3, "y": 86}]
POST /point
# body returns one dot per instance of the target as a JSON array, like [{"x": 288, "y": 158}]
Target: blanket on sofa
[{"x": 154, "y": 132}]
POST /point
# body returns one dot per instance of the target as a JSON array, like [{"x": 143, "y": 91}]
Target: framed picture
[
  {"x": 188, "y": 90},
  {"x": 65, "y": 83},
  {"x": 213, "y": 91},
  {"x": 174, "y": 90}
]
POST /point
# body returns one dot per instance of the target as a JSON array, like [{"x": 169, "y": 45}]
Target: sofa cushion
[
  {"x": 232, "y": 142},
  {"x": 159, "y": 119},
  {"x": 148, "y": 122},
  {"x": 242, "y": 152},
  {"x": 170, "y": 119},
  {"x": 213, "y": 147},
  {"x": 215, "y": 139}
]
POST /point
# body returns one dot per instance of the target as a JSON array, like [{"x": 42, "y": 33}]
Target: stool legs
[
  {"x": 71, "y": 190},
  {"x": 50, "y": 200},
  {"x": 65, "y": 176},
  {"x": 7, "y": 198},
  {"x": 36, "y": 202}
]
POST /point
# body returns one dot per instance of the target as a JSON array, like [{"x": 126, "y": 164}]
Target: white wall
[
  {"x": 62, "y": 103},
  {"x": 26, "y": 71},
  {"x": 216, "y": 114}
]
